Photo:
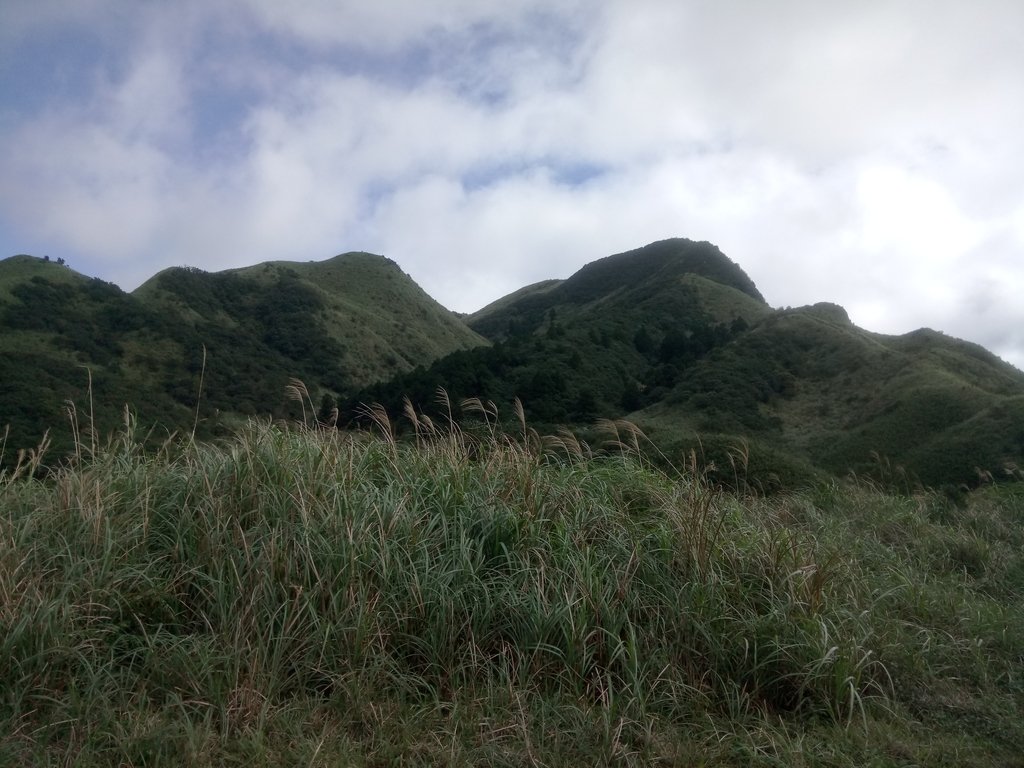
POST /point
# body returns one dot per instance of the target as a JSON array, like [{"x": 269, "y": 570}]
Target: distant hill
[
  {"x": 665, "y": 283},
  {"x": 809, "y": 384},
  {"x": 70, "y": 339},
  {"x": 673, "y": 336},
  {"x": 351, "y": 320},
  {"x": 677, "y": 338},
  {"x": 337, "y": 325},
  {"x": 601, "y": 343}
]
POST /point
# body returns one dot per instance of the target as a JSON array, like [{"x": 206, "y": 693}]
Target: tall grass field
[{"x": 470, "y": 596}]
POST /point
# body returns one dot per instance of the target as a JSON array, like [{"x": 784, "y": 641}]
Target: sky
[{"x": 866, "y": 153}]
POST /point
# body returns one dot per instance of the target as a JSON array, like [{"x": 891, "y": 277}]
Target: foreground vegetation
[{"x": 304, "y": 597}]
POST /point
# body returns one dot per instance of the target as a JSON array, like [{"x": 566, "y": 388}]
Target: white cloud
[
  {"x": 87, "y": 187},
  {"x": 910, "y": 217},
  {"x": 151, "y": 102}
]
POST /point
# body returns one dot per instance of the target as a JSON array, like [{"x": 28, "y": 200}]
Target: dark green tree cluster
[
  {"x": 257, "y": 333},
  {"x": 571, "y": 374},
  {"x": 555, "y": 382},
  {"x": 88, "y": 318},
  {"x": 82, "y": 331}
]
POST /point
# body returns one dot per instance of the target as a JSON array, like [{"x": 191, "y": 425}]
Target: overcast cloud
[{"x": 868, "y": 153}]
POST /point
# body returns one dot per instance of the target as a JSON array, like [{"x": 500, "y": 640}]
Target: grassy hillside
[
  {"x": 195, "y": 350},
  {"x": 586, "y": 347},
  {"x": 481, "y": 318},
  {"x": 72, "y": 341},
  {"x": 298, "y": 597},
  {"x": 651, "y": 285},
  {"x": 21, "y": 268},
  {"x": 368, "y": 317},
  {"x": 673, "y": 335},
  {"x": 812, "y": 384},
  {"x": 677, "y": 338}
]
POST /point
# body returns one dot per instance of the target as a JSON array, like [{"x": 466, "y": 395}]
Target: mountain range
[{"x": 674, "y": 337}]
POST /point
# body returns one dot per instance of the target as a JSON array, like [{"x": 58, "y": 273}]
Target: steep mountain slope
[
  {"x": 497, "y": 310},
  {"x": 348, "y": 321},
  {"x": 588, "y": 346},
  {"x": 653, "y": 285}
]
